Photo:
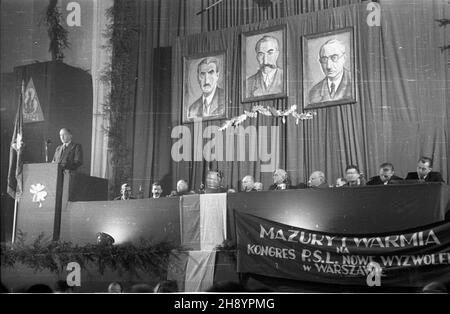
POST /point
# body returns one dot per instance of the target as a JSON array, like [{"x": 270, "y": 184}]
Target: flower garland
[{"x": 268, "y": 111}]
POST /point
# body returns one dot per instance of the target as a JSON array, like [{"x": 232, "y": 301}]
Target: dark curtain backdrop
[
  {"x": 403, "y": 93},
  {"x": 144, "y": 33}
]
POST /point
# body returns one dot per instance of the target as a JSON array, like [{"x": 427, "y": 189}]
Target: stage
[{"x": 208, "y": 238}]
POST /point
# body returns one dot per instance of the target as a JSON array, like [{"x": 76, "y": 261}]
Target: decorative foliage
[
  {"x": 270, "y": 112},
  {"x": 443, "y": 22},
  {"x": 54, "y": 256},
  {"x": 56, "y": 32},
  {"x": 121, "y": 34}
]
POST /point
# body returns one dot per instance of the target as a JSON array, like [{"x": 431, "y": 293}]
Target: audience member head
[
  {"x": 141, "y": 288},
  {"x": 125, "y": 191},
  {"x": 280, "y": 177},
  {"x": 166, "y": 286},
  {"x": 386, "y": 171},
  {"x": 227, "y": 286},
  {"x": 352, "y": 175},
  {"x": 3, "y": 289},
  {"x": 61, "y": 286},
  {"x": 424, "y": 167},
  {"x": 115, "y": 287},
  {"x": 182, "y": 187},
  {"x": 316, "y": 179},
  {"x": 39, "y": 288},
  {"x": 340, "y": 182},
  {"x": 258, "y": 186},
  {"x": 156, "y": 190},
  {"x": 248, "y": 183},
  {"x": 435, "y": 287}
]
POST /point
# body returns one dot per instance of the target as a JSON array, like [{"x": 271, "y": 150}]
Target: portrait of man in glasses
[{"x": 337, "y": 84}]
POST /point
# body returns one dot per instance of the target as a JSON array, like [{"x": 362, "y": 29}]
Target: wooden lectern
[{"x": 46, "y": 192}]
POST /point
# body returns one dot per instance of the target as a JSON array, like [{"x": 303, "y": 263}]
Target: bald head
[
  {"x": 65, "y": 135},
  {"x": 182, "y": 186},
  {"x": 248, "y": 183},
  {"x": 316, "y": 179}
]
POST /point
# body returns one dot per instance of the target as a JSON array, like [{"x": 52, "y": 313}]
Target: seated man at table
[
  {"x": 386, "y": 175},
  {"x": 424, "y": 172},
  {"x": 258, "y": 186},
  {"x": 353, "y": 176},
  {"x": 182, "y": 189},
  {"x": 214, "y": 182},
  {"x": 156, "y": 190},
  {"x": 317, "y": 180},
  {"x": 125, "y": 193},
  {"x": 280, "y": 180},
  {"x": 340, "y": 182},
  {"x": 248, "y": 184}
]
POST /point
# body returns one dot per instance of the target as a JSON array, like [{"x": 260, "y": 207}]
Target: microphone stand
[{"x": 46, "y": 150}]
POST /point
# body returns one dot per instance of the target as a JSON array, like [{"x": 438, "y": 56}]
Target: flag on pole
[{"x": 15, "y": 152}]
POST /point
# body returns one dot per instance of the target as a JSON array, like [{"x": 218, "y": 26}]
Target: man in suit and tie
[
  {"x": 424, "y": 173},
  {"x": 337, "y": 83},
  {"x": 212, "y": 101},
  {"x": 69, "y": 155},
  {"x": 268, "y": 79},
  {"x": 317, "y": 180},
  {"x": 386, "y": 175}
]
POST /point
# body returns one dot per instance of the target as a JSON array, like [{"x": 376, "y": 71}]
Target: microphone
[{"x": 47, "y": 142}]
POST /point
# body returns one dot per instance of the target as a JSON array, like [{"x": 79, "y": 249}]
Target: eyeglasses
[{"x": 333, "y": 58}]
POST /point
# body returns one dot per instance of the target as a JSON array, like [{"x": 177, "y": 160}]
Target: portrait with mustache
[
  {"x": 269, "y": 77},
  {"x": 212, "y": 101}
]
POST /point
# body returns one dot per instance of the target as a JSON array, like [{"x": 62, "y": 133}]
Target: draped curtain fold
[
  {"x": 101, "y": 61},
  {"x": 402, "y": 82}
]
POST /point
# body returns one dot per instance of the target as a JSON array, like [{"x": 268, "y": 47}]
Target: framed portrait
[
  {"x": 205, "y": 87},
  {"x": 263, "y": 69},
  {"x": 329, "y": 69}
]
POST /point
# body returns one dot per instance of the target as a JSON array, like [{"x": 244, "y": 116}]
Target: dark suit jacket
[
  {"x": 256, "y": 86},
  {"x": 377, "y": 180},
  {"x": 320, "y": 91},
  {"x": 274, "y": 187},
  {"x": 433, "y": 176},
  {"x": 71, "y": 158},
  {"x": 323, "y": 185},
  {"x": 119, "y": 198},
  {"x": 217, "y": 106}
]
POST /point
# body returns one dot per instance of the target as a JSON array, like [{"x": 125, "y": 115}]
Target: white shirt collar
[
  {"x": 336, "y": 82},
  {"x": 67, "y": 144},
  {"x": 209, "y": 98},
  {"x": 268, "y": 78}
]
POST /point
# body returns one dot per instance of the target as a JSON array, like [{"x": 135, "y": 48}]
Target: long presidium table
[
  {"x": 326, "y": 236},
  {"x": 364, "y": 210}
]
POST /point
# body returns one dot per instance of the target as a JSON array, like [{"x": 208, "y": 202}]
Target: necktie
[
  {"x": 332, "y": 92},
  {"x": 205, "y": 108}
]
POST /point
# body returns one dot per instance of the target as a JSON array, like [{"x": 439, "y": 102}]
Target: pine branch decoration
[{"x": 56, "y": 32}]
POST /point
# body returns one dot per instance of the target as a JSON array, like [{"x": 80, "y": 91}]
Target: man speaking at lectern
[{"x": 69, "y": 155}]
